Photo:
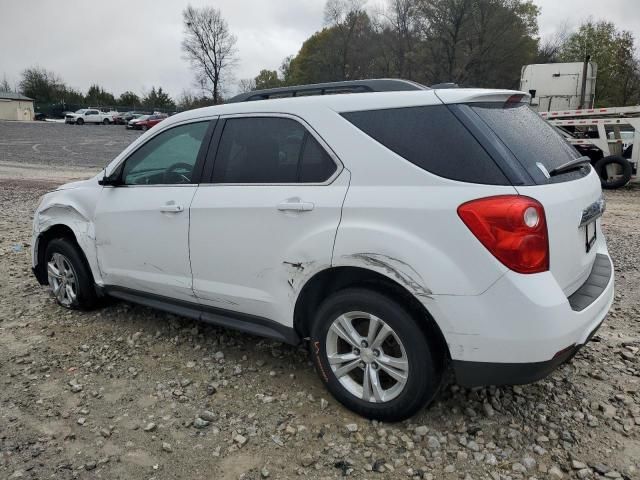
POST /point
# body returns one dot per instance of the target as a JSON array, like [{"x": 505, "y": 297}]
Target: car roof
[{"x": 348, "y": 102}]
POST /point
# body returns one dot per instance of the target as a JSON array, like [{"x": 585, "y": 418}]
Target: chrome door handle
[
  {"x": 295, "y": 206},
  {"x": 172, "y": 208}
]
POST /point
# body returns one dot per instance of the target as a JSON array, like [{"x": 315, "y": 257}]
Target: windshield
[
  {"x": 82, "y": 110},
  {"x": 532, "y": 140}
]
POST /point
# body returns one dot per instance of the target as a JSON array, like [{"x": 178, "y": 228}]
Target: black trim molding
[{"x": 243, "y": 322}]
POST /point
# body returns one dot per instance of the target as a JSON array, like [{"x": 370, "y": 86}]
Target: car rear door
[
  {"x": 142, "y": 224},
  {"x": 267, "y": 219}
]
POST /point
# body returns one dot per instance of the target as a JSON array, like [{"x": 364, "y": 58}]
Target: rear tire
[
  {"x": 106, "y": 121},
  {"x": 69, "y": 277},
  {"x": 373, "y": 356},
  {"x": 620, "y": 164}
]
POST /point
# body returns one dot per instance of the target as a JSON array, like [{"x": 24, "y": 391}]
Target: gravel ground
[
  {"x": 60, "y": 145},
  {"x": 125, "y": 392}
]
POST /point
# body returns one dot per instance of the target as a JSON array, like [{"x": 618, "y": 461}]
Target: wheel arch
[
  {"x": 333, "y": 279},
  {"x": 58, "y": 230}
]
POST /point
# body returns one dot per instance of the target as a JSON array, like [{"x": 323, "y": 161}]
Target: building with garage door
[{"x": 15, "y": 106}]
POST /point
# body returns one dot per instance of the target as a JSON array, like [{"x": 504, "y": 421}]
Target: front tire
[
  {"x": 79, "y": 121},
  {"x": 373, "y": 356},
  {"x": 69, "y": 277},
  {"x": 106, "y": 121}
]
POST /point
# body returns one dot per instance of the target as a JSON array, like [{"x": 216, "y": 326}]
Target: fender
[{"x": 73, "y": 205}]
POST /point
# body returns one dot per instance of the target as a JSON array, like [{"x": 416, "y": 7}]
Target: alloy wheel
[
  {"x": 62, "y": 279},
  {"x": 367, "y": 357}
]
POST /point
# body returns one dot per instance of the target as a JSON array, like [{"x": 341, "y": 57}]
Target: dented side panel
[
  {"x": 74, "y": 206},
  {"x": 252, "y": 257}
]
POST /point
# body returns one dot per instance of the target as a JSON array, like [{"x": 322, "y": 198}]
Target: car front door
[
  {"x": 142, "y": 223},
  {"x": 267, "y": 219},
  {"x": 92, "y": 116}
]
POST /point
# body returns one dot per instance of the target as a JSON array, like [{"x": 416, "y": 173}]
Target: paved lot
[
  {"x": 116, "y": 393},
  {"x": 60, "y": 145}
]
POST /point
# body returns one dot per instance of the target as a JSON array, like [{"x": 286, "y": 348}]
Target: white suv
[{"x": 398, "y": 232}]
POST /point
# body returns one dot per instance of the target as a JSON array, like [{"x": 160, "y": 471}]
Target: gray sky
[{"x": 134, "y": 44}]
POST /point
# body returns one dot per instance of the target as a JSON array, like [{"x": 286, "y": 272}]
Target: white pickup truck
[{"x": 88, "y": 115}]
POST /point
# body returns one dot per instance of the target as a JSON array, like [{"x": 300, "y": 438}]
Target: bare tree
[
  {"x": 210, "y": 47},
  {"x": 5, "y": 86},
  {"x": 550, "y": 47},
  {"x": 345, "y": 16},
  {"x": 246, "y": 85}
]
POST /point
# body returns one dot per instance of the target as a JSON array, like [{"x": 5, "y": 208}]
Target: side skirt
[{"x": 253, "y": 324}]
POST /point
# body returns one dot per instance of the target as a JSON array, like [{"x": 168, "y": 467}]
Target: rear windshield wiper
[{"x": 570, "y": 165}]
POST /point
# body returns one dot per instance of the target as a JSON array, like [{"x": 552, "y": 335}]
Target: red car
[{"x": 145, "y": 122}]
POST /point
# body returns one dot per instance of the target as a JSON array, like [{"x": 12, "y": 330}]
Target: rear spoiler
[{"x": 475, "y": 95}]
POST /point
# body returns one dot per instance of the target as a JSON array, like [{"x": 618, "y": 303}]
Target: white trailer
[
  {"x": 559, "y": 86},
  {"x": 607, "y": 136}
]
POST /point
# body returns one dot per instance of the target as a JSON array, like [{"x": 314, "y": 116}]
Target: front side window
[
  {"x": 270, "y": 150},
  {"x": 168, "y": 158}
]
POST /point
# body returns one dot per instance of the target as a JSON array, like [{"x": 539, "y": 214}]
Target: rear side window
[
  {"x": 270, "y": 150},
  {"x": 432, "y": 138},
  {"x": 531, "y": 139}
]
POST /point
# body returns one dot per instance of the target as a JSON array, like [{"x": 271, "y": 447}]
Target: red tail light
[{"x": 513, "y": 228}]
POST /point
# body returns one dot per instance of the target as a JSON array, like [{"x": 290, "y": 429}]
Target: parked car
[
  {"x": 88, "y": 115},
  {"x": 39, "y": 116},
  {"x": 398, "y": 233},
  {"x": 146, "y": 122},
  {"x": 125, "y": 118}
]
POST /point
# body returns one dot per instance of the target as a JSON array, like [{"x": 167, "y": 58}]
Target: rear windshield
[
  {"x": 531, "y": 139},
  {"x": 432, "y": 138}
]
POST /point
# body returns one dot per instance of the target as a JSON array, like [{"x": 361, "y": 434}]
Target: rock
[
  {"x": 323, "y": 404},
  {"x": 218, "y": 356},
  {"x": 576, "y": 465},
  {"x": 90, "y": 466},
  {"x": 150, "y": 427},
  {"x": 608, "y": 411},
  {"x": 82, "y": 421},
  {"x": 612, "y": 474},
  {"x": 352, "y": 427},
  {"x": 488, "y": 409},
  {"x": 17, "y": 474},
  {"x": 421, "y": 431},
  {"x": 264, "y": 473},
  {"x": 200, "y": 423},
  {"x": 211, "y": 389},
  {"x": 433, "y": 443},
  {"x": 584, "y": 473},
  {"x": 208, "y": 416},
  {"x": 307, "y": 460},
  {"x": 167, "y": 447},
  {"x": 555, "y": 472},
  {"x": 529, "y": 463},
  {"x": 240, "y": 440}
]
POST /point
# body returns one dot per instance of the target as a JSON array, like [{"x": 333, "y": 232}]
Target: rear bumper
[
  {"x": 475, "y": 374},
  {"x": 523, "y": 326}
]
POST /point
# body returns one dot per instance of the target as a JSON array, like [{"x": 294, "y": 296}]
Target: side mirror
[{"x": 109, "y": 181}]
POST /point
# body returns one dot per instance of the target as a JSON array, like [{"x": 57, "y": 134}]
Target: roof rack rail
[
  {"x": 444, "y": 85},
  {"x": 350, "y": 86}
]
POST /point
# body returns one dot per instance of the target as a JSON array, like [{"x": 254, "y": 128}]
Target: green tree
[
  {"x": 189, "y": 101},
  {"x": 129, "y": 99},
  {"x": 267, "y": 79},
  {"x": 618, "y": 80},
  {"x": 480, "y": 43},
  {"x": 157, "y": 99},
  {"x": 97, "y": 96}
]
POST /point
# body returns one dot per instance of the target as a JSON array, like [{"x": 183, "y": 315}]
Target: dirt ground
[{"x": 125, "y": 392}]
